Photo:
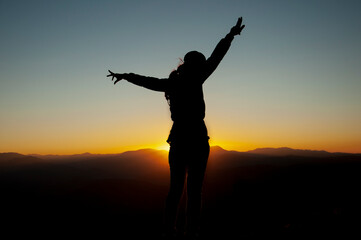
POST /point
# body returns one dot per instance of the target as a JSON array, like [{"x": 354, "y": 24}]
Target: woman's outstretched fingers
[{"x": 111, "y": 75}]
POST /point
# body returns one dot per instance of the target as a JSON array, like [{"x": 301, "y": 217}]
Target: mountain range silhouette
[{"x": 284, "y": 193}]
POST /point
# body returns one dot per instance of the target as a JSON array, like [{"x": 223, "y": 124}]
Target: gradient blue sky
[{"x": 292, "y": 79}]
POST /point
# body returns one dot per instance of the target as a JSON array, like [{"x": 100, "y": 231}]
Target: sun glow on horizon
[{"x": 164, "y": 147}]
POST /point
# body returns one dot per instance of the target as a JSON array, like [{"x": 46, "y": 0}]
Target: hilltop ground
[{"x": 279, "y": 193}]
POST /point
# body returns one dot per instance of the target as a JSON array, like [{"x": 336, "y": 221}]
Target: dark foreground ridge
[{"x": 281, "y": 193}]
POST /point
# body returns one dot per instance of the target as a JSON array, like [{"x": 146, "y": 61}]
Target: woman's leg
[
  {"x": 177, "y": 179},
  {"x": 196, "y": 170}
]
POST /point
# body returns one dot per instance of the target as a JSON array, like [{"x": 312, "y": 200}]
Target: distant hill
[
  {"x": 12, "y": 159},
  {"x": 131, "y": 164},
  {"x": 284, "y": 151},
  {"x": 139, "y": 162}
]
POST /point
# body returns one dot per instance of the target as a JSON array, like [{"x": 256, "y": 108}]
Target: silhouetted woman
[{"x": 188, "y": 138}]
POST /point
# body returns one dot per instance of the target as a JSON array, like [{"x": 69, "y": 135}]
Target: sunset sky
[{"x": 293, "y": 78}]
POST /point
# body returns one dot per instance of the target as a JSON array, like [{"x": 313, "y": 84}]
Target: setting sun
[{"x": 164, "y": 147}]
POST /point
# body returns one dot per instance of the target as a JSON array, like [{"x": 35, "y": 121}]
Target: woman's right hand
[{"x": 237, "y": 29}]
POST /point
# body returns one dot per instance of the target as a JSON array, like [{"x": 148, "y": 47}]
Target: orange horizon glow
[{"x": 115, "y": 133}]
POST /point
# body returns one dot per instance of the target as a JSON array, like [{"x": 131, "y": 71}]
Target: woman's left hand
[{"x": 117, "y": 76}]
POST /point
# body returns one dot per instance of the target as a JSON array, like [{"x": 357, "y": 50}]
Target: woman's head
[
  {"x": 193, "y": 62},
  {"x": 194, "y": 58}
]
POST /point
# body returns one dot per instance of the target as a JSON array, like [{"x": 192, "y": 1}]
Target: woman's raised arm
[{"x": 221, "y": 49}]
